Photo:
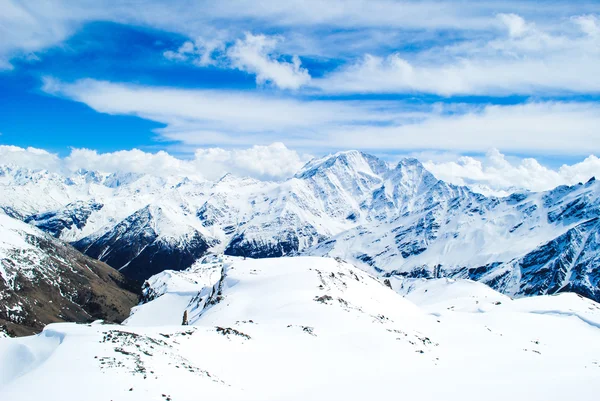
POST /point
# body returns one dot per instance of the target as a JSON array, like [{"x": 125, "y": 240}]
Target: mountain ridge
[{"x": 388, "y": 219}]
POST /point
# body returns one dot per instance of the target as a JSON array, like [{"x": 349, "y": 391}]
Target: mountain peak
[
  {"x": 119, "y": 179},
  {"x": 352, "y": 160},
  {"x": 410, "y": 161},
  {"x": 411, "y": 171}
]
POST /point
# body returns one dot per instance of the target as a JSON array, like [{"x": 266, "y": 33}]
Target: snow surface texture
[
  {"x": 311, "y": 328},
  {"x": 389, "y": 220}
]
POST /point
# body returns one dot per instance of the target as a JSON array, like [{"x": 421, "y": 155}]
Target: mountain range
[{"x": 393, "y": 221}]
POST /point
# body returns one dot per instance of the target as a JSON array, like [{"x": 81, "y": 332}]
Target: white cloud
[
  {"x": 272, "y": 162},
  {"x": 516, "y": 25},
  {"x": 495, "y": 174},
  {"x": 30, "y": 25},
  {"x": 201, "y": 52},
  {"x": 33, "y": 158},
  {"x": 26, "y": 29},
  {"x": 205, "y": 118},
  {"x": 201, "y": 117},
  {"x": 264, "y": 162},
  {"x": 130, "y": 161},
  {"x": 526, "y": 59},
  {"x": 184, "y": 52},
  {"x": 254, "y": 54},
  {"x": 589, "y": 24},
  {"x": 534, "y": 128},
  {"x": 554, "y": 50}
]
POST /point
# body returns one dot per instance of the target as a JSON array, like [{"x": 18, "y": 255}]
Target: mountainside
[
  {"x": 43, "y": 280},
  {"x": 309, "y": 328},
  {"x": 389, "y": 220}
]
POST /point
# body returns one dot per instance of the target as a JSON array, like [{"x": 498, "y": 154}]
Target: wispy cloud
[
  {"x": 254, "y": 54},
  {"x": 373, "y": 47},
  {"x": 205, "y": 117},
  {"x": 28, "y": 25},
  {"x": 525, "y": 59},
  {"x": 219, "y": 111}
]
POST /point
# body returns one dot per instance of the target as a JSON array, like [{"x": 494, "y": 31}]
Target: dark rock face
[
  {"x": 415, "y": 239},
  {"x": 159, "y": 256},
  {"x": 64, "y": 286},
  {"x": 568, "y": 263},
  {"x": 135, "y": 248},
  {"x": 9, "y": 211},
  {"x": 123, "y": 243},
  {"x": 239, "y": 246},
  {"x": 574, "y": 209},
  {"x": 55, "y": 222},
  {"x": 477, "y": 273},
  {"x": 209, "y": 215}
]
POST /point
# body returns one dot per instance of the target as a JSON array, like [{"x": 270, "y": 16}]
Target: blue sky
[{"x": 438, "y": 78}]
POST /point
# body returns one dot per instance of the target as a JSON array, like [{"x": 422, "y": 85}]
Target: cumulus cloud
[
  {"x": 272, "y": 162},
  {"x": 130, "y": 161},
  {"x": 33, "y": 158},
  {"x": 525, "y": 59},
  {"x": 496, "y": 174},
  {"x": 254, "y": 54},
  {"x": 264, "y": 162}
]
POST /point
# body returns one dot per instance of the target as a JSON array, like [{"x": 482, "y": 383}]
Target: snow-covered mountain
[
  {"x": 390, "y": 220},
  {"x": 308, "y": 328},
  {"x": 43, "y": 280}
]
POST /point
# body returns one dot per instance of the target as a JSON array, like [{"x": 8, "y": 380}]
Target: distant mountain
[
  {"x": 390, "y": 220},
  {"x": 43, "y": 280}
]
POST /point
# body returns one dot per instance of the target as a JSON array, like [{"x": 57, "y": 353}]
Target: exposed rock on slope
[
  {"x": 43, "y": 280},
  {"x": 140, "y": 245}
]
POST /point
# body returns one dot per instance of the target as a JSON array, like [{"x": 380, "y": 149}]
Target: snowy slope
[
  {"x": 311, "y": 328},
  {"x": 389, "y": 220},
  {"x": 43, "y": 280}
]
